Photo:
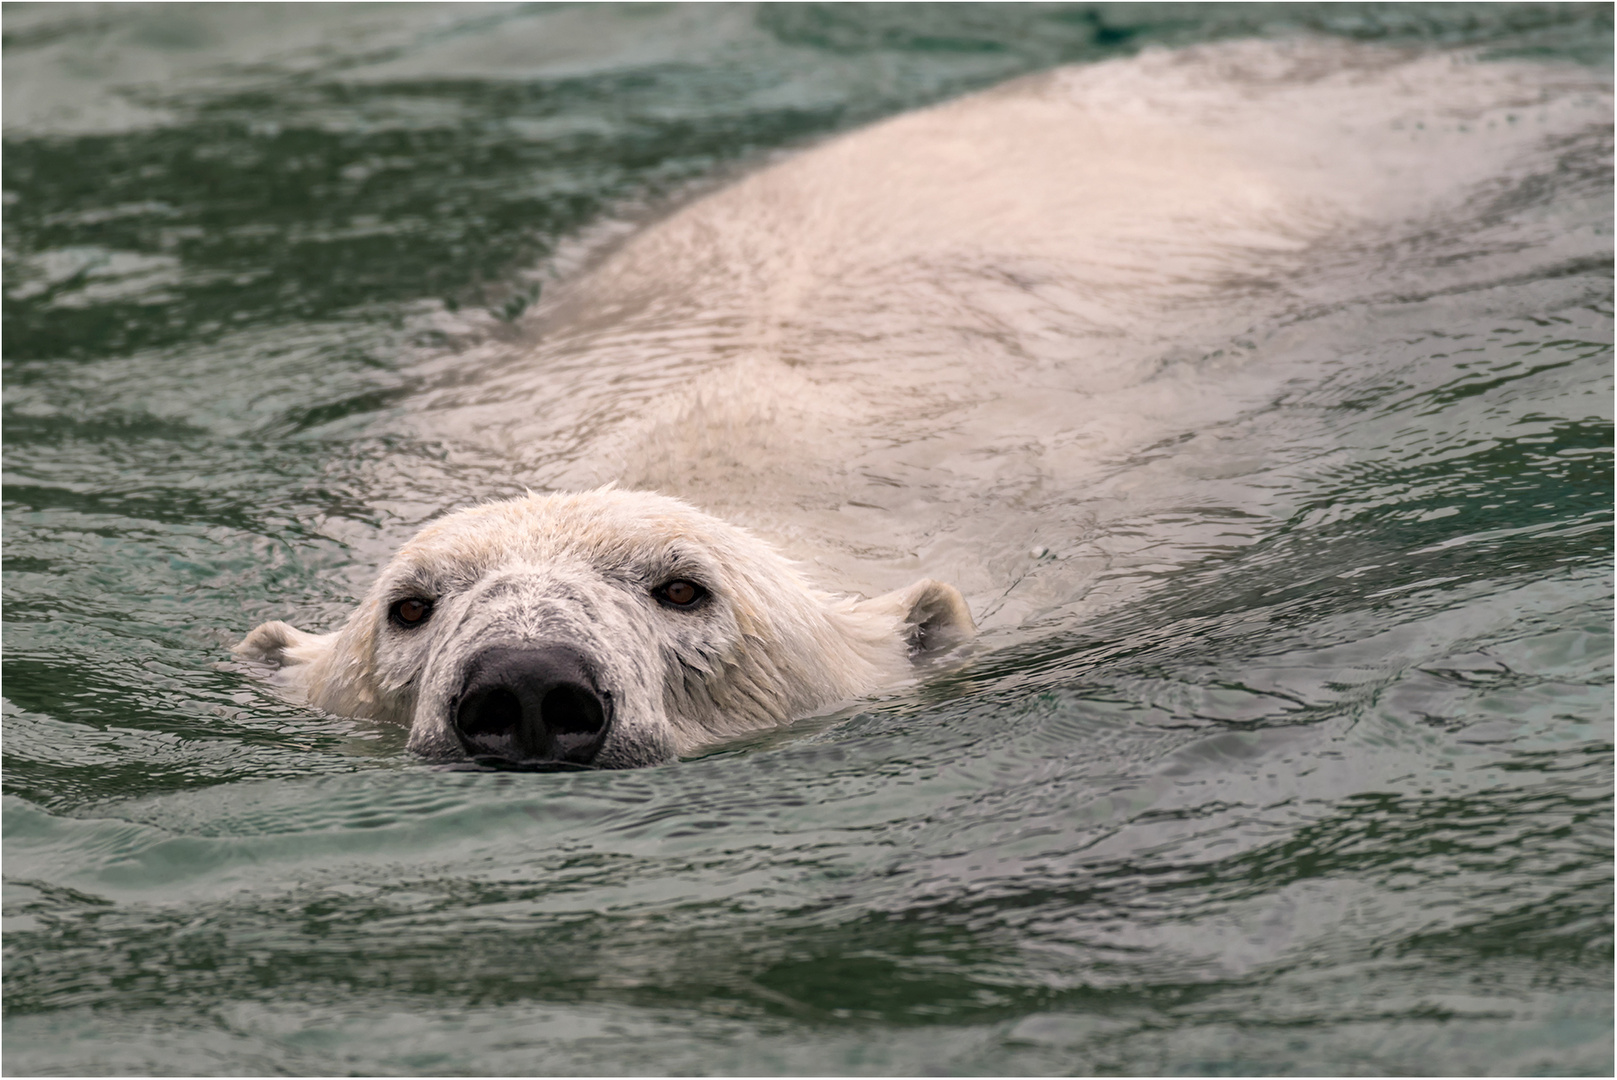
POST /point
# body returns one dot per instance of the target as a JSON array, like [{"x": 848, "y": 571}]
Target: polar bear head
[{"x": 603, "y": 629}]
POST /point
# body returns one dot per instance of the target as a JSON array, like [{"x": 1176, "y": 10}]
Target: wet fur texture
[{"x": 764, "y": 648}]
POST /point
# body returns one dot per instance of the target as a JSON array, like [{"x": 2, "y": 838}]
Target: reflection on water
[{"x": 1287, "y": 747}]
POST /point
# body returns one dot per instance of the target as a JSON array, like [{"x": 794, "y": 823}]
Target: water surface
[{"x": 1287, "y": 747}]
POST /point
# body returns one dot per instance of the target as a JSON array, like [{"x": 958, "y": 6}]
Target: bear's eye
[
  {"x": 411, "y": 611},
  {"x": 680, "y": 593}
]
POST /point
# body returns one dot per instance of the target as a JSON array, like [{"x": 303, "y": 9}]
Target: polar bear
[
  {"x": 951, "y": 340},
  {"x": 600, "y": 629}
]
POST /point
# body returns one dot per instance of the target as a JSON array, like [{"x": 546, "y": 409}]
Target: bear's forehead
[{"x": 597, "y": 528}]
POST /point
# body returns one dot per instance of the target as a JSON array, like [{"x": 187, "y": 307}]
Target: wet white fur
[{"x": 911, "y": 348}]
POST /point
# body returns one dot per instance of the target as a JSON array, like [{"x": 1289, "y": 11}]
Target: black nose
[{"x": 532, "y": 706}]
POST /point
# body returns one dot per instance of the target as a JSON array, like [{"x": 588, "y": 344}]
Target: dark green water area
[{"x": 1334, "y": 800}]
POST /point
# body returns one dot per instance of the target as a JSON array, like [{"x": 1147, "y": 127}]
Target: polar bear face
[{"x": 604, "y": 629}]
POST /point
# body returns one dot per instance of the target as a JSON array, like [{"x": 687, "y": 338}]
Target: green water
[{"x": 1335, "y": 798}]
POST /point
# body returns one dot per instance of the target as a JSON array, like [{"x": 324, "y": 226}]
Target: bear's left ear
[
  {"x": 282, "y": 646},
  {"x": 934, "y": 615}
]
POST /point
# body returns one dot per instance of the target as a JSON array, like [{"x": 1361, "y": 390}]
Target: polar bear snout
[{"x": 532, "y": 707}]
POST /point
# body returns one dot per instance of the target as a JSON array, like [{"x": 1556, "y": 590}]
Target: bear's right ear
[
  {"x": 933, "y": 615},
  {"x": 282, "y": 646}
]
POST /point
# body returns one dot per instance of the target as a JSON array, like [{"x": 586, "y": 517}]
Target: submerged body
[{"x": 919, "y": 348}]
